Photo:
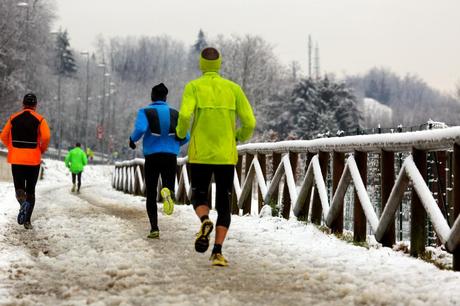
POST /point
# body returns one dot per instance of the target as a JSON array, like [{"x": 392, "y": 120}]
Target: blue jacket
[{"x": 157, "y": 123}]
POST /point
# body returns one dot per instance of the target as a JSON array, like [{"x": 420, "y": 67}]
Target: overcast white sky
[{"x": 408, "y": 36}]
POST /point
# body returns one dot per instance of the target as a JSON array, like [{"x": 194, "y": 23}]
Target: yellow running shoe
[
  {"x": 168, "y": 202},
  {"x": 202, "y": 237},
  {"x": 154, "y": 235},
  {"x": 219, "y": 260}
]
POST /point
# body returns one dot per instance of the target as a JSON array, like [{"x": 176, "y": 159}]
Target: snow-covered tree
[
  {"x": 200, "y": 43},
  {"x": 24, "y": 46},
  {"x": 65, "y": 62},
  {"x": 312, "y": 108}
]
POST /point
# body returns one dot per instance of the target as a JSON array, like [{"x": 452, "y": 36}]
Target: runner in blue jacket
[{"x": 156, "y": 123}]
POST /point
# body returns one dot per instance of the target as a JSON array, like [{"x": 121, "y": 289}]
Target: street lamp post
[
  {"x": 26, "y": 6},
  {"x": 111, "y": 118},
  {"x": 85, "y": 124},
  {"x": 102, "y": 112},
  {"x": 77, "y": 120},
  {"x": 59, "y": 106}
]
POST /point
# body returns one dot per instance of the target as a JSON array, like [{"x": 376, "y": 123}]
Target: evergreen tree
[
  {"x": 200, "y": 43},
  {"x": 194, "y": 54},
  {"x": 312, "y": 108},
  {"x": 65, "y": 62}
]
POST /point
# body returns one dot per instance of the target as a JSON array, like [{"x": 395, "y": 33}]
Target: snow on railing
[
  {"x": 310, "y": 197},
  {"x": 441, "y": 139}
]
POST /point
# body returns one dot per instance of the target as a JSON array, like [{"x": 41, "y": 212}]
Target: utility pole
[
  {"x": 59, "y": 117},
  {"x": 310, "y": 46},
  {"x": 317, "y": 71},
  {"x": 85, "y": 123}
]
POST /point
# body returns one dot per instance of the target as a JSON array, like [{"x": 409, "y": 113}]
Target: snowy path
[{"x": 91, "y": 249}]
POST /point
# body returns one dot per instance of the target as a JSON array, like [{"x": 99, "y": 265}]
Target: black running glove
[{"x": 132, "y": 145}]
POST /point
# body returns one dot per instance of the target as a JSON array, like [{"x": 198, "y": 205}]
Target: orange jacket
[{"x": 26, "y": 135}]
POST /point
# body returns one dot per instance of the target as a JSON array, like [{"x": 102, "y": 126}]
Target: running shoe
[
  {"x": 23, "y": 211},
  {"x": 154, "y": 235},
  {"x": 28, "y": 225},
  {"x": 217, "y": 259},
  {"x": 168, "y": 202},
  {"x": 202, "y": 237}
]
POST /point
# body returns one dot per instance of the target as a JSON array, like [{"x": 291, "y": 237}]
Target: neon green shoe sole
[
  {"x": 154, "y": 235},
  {"x": 168, "y": 202}
]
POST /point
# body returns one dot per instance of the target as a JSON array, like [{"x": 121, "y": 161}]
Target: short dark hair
[
  {"x": 78, "y": 144},
  {"x": 210, "y": 53}
]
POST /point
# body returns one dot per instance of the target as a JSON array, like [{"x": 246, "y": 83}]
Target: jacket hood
[{"x": 210, "y": 65}]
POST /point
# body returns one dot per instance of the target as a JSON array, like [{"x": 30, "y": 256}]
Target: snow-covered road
[{"x": 92, "y": 249}]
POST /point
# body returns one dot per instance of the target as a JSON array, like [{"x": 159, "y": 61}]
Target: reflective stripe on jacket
[{"x": 26, "y": 135}]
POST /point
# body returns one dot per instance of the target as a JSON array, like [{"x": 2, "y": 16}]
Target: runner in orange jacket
[{"x": 26, "y": 135}]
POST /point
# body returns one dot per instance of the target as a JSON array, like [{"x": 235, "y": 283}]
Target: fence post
[
  {"x": 441, "y": 164},
  {"x": 276, "y": 160},
  {"x": 262, "y": 161},
  {"x": 137, "y": 183},
  {"x": 141, "y": 168},
  {"x": 303, "y": 215},
  {"x": 338, "y": 165},
  {"x": 387, "y": 171},
  {"x": 293, "y": 158},
  {"x": 235, "y": 209},
  {"x": 418, "y": 214},
  {"x": 456, "y": 199},
  {"x": 247, "y": 202},
  {"x": 449, "y": 187},
  {"x": 317, "y": 209},
  {"x": 189, "y": 175},
  {"x": 360, "y": 222}
]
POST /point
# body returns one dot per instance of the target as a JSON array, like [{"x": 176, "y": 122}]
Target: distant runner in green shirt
[
  {"x": 76, "y": 160},
  {"x": 214, "y": 103}
]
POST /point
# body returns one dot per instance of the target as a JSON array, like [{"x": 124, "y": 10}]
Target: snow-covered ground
[{"x": 91, "y": 249}]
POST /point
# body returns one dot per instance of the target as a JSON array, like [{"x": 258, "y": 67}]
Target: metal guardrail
[{"x": 345, "y": 160}]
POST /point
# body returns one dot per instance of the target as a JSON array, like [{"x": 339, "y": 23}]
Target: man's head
[
  {"x": 210, "y": 60},
  {"x": 30, "y": 100},
  {"x": 78, "y": 144},
  {"x": 159, "y": 92}
]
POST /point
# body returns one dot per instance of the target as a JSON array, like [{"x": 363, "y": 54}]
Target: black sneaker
[
  {"x": 202, "y": 237},
  {"x": 23, "y": 211}
]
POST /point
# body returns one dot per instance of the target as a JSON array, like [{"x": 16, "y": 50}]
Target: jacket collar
[
  {"x": 211, "y": 73},
  {"x": 158, "y": 103}
]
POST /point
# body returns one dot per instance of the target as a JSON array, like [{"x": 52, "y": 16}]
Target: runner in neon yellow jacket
[{"x": 214, "y": 102}]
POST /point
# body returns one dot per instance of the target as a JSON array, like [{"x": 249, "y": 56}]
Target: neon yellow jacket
[{"x": 214, "y": 102}]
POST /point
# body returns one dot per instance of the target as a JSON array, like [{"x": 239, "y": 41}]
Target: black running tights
[
  {"x": 157, "y": 164},
  {"x": 25, "y": 178}
]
